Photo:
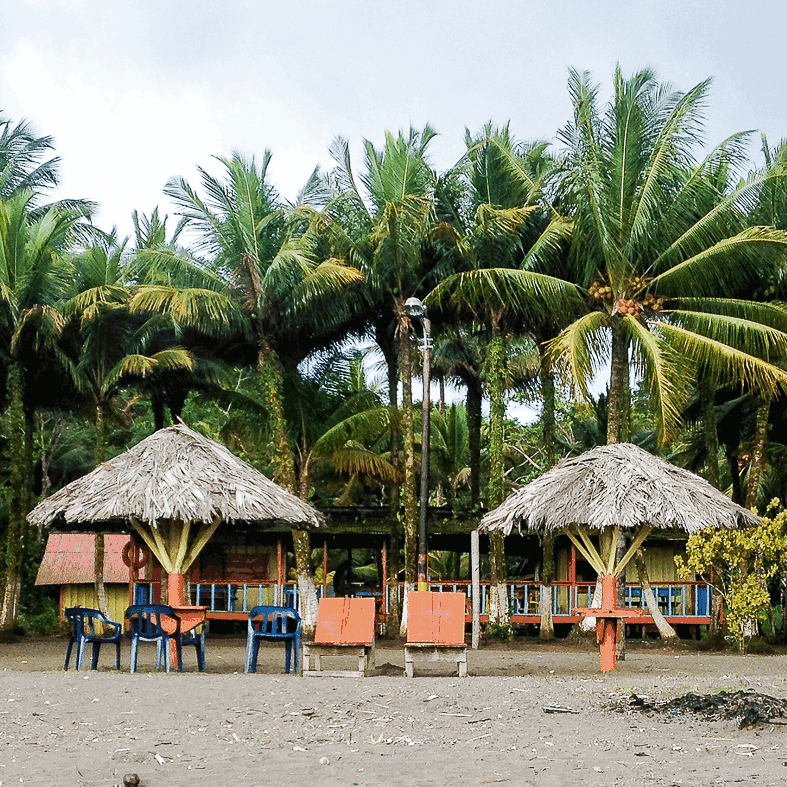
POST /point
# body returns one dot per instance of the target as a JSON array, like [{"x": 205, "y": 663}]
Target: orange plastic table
[{"x": 190, "y": 618}]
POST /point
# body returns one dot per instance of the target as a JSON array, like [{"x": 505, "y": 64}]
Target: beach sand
[{"x": 226, "y": 729}]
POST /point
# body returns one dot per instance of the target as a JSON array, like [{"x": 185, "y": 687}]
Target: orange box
[
  {"x": 436, "y": 618},
  {"x": 345, "y": 621}
]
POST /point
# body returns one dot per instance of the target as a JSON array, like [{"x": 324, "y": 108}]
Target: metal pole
[{"x": 425, "y": 436}]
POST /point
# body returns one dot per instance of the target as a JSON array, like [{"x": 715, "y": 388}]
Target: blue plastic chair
[
  {"x": 196, "y": 637},
  {"x": 276, "y": 624},
  {"x": 146, "y": 626},
  {"x": 83, "y": 630}
]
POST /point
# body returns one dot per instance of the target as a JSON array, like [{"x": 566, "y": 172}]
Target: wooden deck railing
[{"x": 689, "y": 602}]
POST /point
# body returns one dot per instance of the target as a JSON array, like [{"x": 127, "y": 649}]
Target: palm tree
[
  {"x": 382, "y": 230},
  {"x": 339, "y": 421},
  {"x": 33, "y": 277},
  {"x": 263, "y": 271},
  {"x": 503, "y": 242},
  {"x": 23, "y": 163},
  {"x": 663, "y": 252},
  {"x": 458, "y": 356}
]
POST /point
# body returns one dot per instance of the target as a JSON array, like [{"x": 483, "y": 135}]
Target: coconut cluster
[{"x": 600, "y": 291}]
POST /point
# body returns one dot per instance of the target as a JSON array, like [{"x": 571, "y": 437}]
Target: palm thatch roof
[
  {"x": 175, "y": 474},
  {"x": 617, "y": 486}
]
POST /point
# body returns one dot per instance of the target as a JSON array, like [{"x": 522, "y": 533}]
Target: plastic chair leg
[
  {"x": 252, "y": 650},
  {"x": 96, "y": 650},
  {"x": 132, "y": 664},
  {"x": 68, "y": 653},
  {"x": 80, "y": 652},
  {"x": 164, "y": 644},
  {"x": 117, "y": 656},
  {"x": 287, "y": 655}
]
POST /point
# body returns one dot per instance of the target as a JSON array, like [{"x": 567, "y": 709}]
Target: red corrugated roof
[{"x": 69, "y": 559}]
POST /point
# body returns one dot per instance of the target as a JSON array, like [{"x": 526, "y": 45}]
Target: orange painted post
[
  {"x": 176, "y": 590},
  {"x": 608, "y": 618},
  {"x": 608, "y": 648}
]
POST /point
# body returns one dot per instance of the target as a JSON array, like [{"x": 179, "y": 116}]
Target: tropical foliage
[{"x": 616, "y": 280}]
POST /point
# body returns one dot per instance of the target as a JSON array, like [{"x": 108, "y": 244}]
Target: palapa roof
[
  {"x": 175, "y": 474},
  {"x": 617, "y": 486},
  {"x": 68, "y": 559}
]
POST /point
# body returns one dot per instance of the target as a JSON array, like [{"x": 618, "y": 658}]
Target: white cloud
[
  {"x": 62, "y": 5},
  {"x": 118, "y": 147}
]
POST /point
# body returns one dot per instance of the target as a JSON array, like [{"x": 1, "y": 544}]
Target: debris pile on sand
[{"x": 748, "y": 708}]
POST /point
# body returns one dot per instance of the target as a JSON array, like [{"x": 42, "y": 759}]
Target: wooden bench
[
  {"x": 435, "y": 629},
  {"x": 345, "y": 627}
]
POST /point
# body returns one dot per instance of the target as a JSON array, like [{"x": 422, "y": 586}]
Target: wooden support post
[
  {"x": 279, "y": 575},
  {"x": 205, "y": 534},
  {"x": 475, "y": 569},
  {"x": 572, "y": 564},
  {"x": 183, "y": 543},
  {"x": 636, "y": 543},
  {"x": 324, "y": 567}
]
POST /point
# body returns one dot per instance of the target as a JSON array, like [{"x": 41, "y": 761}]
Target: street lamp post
[{"x": 417, "y": 310}]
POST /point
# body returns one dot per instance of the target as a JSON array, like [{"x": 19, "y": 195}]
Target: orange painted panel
[
  {"x": 345, "y": 621},
  {"x": 436, "y": 618}
]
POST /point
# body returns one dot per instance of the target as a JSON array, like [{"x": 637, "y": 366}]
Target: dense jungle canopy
[{"x": 623, "y": 280}]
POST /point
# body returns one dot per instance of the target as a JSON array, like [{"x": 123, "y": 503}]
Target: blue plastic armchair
[
  {"x": 196, "y": 637},
  {"x": 145, "y": 621},
  {"x": 87, "y": 625},
  {"x": 276, "y": 624}
]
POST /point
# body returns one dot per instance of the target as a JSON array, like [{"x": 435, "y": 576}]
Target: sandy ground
[{"x": 226, "y": 728}]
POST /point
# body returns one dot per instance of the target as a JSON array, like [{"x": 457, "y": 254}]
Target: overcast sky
[{"x": 137, "y": 92}]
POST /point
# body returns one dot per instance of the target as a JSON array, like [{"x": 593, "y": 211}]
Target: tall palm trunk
[
  {"x": 498, "y": 611},
  {"x": 735, "y": 474},
  {"x": 15, "y": 536},
  {"x": 710, "y": 432},
  {"x": 666, "y": 631},
  {"x": 474, "y": 420},
  {"x": 547, "y": 628},
  {"x": 392, "y": 365},
  {"x": 548, "y": 426},
  {"x": 410, "y": 499},
  {"x": 99, "y": 545},
  {"x": 758, "y": 451},
  {"x": 752, "y": 489},
  {"x": 618, "y": 387},
  {"x": 270, "y": 371}
]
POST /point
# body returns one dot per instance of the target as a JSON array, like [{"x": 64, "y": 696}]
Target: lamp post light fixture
[{"x": 416, "y": 310}]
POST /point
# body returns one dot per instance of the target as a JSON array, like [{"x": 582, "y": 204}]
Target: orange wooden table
[{"x": 608, "y": 619}]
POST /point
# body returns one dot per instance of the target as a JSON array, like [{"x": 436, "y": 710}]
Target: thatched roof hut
[
  {"x": 617, "y": 486},
  {"x": 175, "y": 474},
  {"x": 175, "y": 488}
]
